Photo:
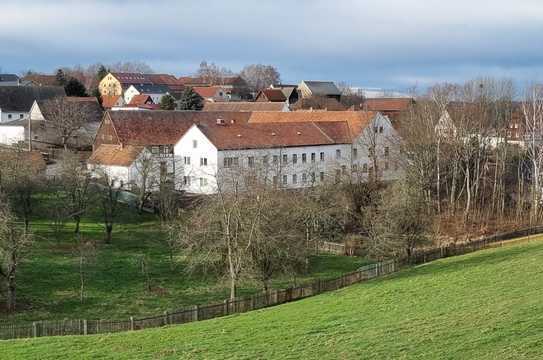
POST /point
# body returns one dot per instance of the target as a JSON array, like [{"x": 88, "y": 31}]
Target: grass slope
[
  {"x": 48, "y": 282},
  {"x": 485, "y": 305}
]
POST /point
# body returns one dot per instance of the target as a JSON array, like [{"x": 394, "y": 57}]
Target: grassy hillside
[
  {"x": 486, "y": 305},
  {"x": 115, "y": 285}
]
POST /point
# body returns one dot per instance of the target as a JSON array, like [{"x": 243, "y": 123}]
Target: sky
[{"x": 391, "y": 44}]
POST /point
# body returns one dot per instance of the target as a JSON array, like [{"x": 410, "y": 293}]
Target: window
[
  {"x": 322, "y": 156},
  {"x": 21, "y": 116},
  {"x": 265, "y": 159},
  {"x": 275, "y": 159},
  {"x": 312, "y": 157},
  {"x": 186, "y": 180},
  {"x": 365, "y": 168},
  {"x": 285, "y": 180},
  {"x": 203, "y": 181},
  {"x": 380, "y": 129},
  {"x": 304, "y": 158},
  {"x": 344, "y": 169},
  {"x": 355, "y": 153},
  {"x": 304, "y": 178},
  {"x": 375, "y": 129},
  {"x": 251, "y": 161},
  {"x": 194, "y": 144},
  {"x": 294, "y": 158},
  {"x": 186, "y": 160},
  {"x": 155, "y": 149},
  {"x": 231, "y": 162},
  {"x": 387, "y": 151},
  {"x": 294, "y": 179},
  {"x": 9, "y": 116},
  {"x": 203, "y": 161},
  {"x": 354, "y": 168},
  {"x": 321, "y": 175},
  {"x": 285, "y": 158},
  {"x": 338, "y": 154}
]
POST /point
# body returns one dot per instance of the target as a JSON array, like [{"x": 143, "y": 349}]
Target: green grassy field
[
  {"x": 115, "y": 286},
  {"x": 486, "y": 305}
]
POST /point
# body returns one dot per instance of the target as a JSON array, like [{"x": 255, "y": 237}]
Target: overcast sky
[{"x": 382, "y": 43}]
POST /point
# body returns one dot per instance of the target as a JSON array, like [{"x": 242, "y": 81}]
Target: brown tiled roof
[
  {"x": 109, "y": 101},
  {"x": 115, "y": 155},
  {"x": 206, "y": 91},
  {"x": 140, "y": 99},
  {"x": 274, "y": 95},
  {"x": 163, "y": 127},
  {"x": 244, "y": 106},
  {"x": 151, "y": 79},
  {"x": 356, "y": 120},
  {"x": 387, "y": 104},
  {"x": 318, "y": 103},
  {"x": 271, "y": 135}
]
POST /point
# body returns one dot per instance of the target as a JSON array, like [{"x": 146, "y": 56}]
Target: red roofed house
[
  {"x": 391, "y": 107},
  {"x": 271, "y": 95},
  {"x": 203, "y": 151},
  {"x": 211, "y": 93}
]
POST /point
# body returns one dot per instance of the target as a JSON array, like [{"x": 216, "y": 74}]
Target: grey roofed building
[
  {"x": 21, "y": 98},
  {"x": 322, "y": 88},
  {"x": 151, "y": 88},
  {"x": 9, "y": 80}
]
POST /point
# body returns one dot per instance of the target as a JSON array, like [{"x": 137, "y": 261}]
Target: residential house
[
  {"x": 211, "y": 93},
  {"x": 391, "y": 107},
  {"x": 111, "y": 101},
  {"x": 325, "y": 89},
  {"x": 290, "y": 92},
  {"x": 40, "y": 80},
  {"x": 156, "y": 92},
  {"x": 205, "y": 151},
  {"x": 235, "y": 87},
  {"x": 9, "y": 80},
  {"x": 116, "y": 83},
  {"x": 271, "y": 95},
  {"x": 16, "y": 101},
  {"x": 237, "y": 106}
]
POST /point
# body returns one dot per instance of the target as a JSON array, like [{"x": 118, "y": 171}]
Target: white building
[
  {"x": 208, "y": 150},
  {"x": 156, "y": 92}
]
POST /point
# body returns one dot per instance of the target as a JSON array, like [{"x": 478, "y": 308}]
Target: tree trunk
[
  {"x": 109, "y": 230},
  {"x": 77, "y": 219},
  {"x": 11, "y": 293}
]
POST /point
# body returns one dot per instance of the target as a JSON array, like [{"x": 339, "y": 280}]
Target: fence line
[{"x": 254, "y": 302}]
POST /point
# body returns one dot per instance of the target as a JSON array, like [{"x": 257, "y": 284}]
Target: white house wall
[{"x": 10, "y": 135}]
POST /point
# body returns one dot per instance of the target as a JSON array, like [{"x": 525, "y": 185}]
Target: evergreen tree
[
  {"x": 190, "y": 100},
  {"x": 101, "y": 73},
  {"x": 167, "y": 102},
  {"x": 60, "y": 77},
  {"x": 74, "y": 87}
]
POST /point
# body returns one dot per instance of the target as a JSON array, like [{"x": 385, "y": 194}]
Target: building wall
[
  {"x": 106, "y": 134},
  {"x": 110, "y": 86},
  {"x": 10, "y": 135},
  {"x": 6, "y": 116},
  {"x": 196, "y": 177}
]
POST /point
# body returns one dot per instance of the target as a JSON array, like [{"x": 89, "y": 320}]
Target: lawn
[
  {"x": 115, "y": 285},
  {"x": 485, "y": 305}
]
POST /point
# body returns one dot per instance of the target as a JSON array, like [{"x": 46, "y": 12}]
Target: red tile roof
[
  {"x": 206, "y": 91},
  {"x": 140, "y": 99},
  {"x": 109, "y": 101},
  {"x": 236, "y": 106},
  {"x": 272, "y": 135},
  {"x": 387, "y": 104}
]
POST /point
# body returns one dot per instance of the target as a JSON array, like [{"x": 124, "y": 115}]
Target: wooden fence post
[
  {"x": 165, "y": 317},
  {"x": 225, "y": 307},
  {"x": 85, "y": 327},
  {"x": 34, "y": 329},
  {"x": 131, "y": 323},
  {"x": 195, "y": 311}
]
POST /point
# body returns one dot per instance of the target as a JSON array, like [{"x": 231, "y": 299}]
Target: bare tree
[
  {"x": 66, "y": 118},
  {"x": 212, "y": 74},
  {"x": 259, "y": 76},
  {"x": 109, "y": 192},
  {"x": 147, "y": 177},
  {"x": 14, "y": 245},
  {"x": 75, "y": 180}
]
